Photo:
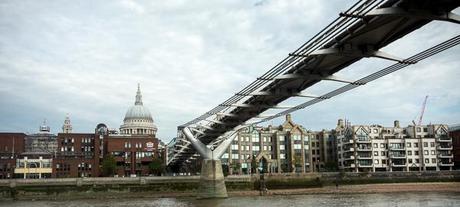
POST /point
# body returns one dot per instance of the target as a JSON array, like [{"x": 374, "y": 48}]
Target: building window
[
  {"x": 235, "y": 156},
  {"x": 296, "y": 137},
  {"x": 425, "y": 144},
  {"x": 419, "y": 129},
  {"x": 425, "y": 152},
  {"x": 376, "y": 161},
  {"x": 281, "y": 138},
  {"x": 255, "y": 148},
  {"x": 408, "y": 144},
  {"x": 282, "y": 147},
  {"x": 409, "y": 152},
  {"x": 417, "y": 161},
  {"x": 410, "y": 161},
  {"x": 376, "y": 153},
  {"x": 234, "y": 147},
  {"x": 283, "y": 156},
  {"x": 431, "y": 144},
  {"x": 427, "y": 160},
  {"x": 383, "y": 153},
  {"x": 433, "y": 152},
  {"x": 376, "y": 145},
  {"x": 415, "y": 152},
  {"x": 255, "y": 138},
  {"x": 415, "y": 145},
  {"x": 382, "y": 145}
]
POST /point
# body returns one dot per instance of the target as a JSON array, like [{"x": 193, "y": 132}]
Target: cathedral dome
[
  {"x": 138, "y": 119},
  {"x": 138, "y": 112}
]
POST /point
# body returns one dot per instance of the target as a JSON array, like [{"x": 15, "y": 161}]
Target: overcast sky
[{"x": 85, "y": 58}]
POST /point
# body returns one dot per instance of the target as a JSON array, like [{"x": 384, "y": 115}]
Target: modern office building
[{"x": 363, "y": 148}]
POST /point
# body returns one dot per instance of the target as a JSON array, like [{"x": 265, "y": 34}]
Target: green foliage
[
  {"x": 109, "y": 165},
  {"x": 331, "y": 166},
  {"x": 157, "y": 166},
  {"x": 235, "y": 167},
  {"x": 254, "y": 165}
]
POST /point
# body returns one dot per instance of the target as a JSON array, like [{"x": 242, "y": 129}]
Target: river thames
[{"x": 380, "y": 199}]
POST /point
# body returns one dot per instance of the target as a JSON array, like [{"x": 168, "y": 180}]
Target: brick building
[
  {"x": 11, "y": 147},
  {"x": 454, "y": 132},
  {"x": 78, "y": 155},
  {"x": 133, "y": 153}
]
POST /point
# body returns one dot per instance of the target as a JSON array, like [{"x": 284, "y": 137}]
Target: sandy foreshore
[{"x": 453, "y": 187}]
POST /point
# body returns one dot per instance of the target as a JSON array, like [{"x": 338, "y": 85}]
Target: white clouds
[{"x": 86, "y": 59}]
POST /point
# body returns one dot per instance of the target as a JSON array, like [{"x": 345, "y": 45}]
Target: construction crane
[{"x": 421, "y": 113}]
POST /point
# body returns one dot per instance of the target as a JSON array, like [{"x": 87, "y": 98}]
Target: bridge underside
[{"x": 360, "y": 32}]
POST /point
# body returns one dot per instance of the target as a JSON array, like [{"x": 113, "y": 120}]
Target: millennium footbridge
[{"x": 359, "y": 32}]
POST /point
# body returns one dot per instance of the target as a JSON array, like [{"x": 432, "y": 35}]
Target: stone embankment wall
[
  {"x": 173, "y": 186},
  {"x": 286, "y": 181}
]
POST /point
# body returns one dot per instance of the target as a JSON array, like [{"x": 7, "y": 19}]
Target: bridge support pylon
[{"x": 212, "y": 180}]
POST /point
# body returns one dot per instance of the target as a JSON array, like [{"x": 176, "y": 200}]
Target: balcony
[
  {"x": 365, "y": 165},
  {"x": 451, "y": 164},
  {"x": 364, "y": 149},
  {"x": 351, "y": 149},
  {"x": 398, "y": 164},
  {"x": 363, "y": 141},
  {"x": 349, "y": 158},
  {"x": 364, "y": 157},
  {"x": 398, "y": 156},
  {"x": 350, "y": 166},
  {"x": 444, "y": 147},
  {"x": 397, "y": 148},
  {"x": 445, "y": 156},
  {"x": 443, "y": 139}
]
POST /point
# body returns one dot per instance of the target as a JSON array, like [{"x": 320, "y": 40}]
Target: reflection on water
[{"x": 382, "y": 199}]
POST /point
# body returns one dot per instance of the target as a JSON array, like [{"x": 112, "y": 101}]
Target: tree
[
  {"x": 235, "y": 167},
  {"x": 297, "y": 162},
  {"x": 157, "y": 166},
  {"x": 331, "y": 166},
  {"x": 109, "y": 165},
  {"x": 254, "y": 164}
]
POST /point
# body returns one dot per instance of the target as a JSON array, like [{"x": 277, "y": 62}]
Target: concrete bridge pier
[{"x": 212, "y": 180}]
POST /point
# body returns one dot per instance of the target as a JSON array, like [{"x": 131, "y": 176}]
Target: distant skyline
[{"x": 85, "y": 59}]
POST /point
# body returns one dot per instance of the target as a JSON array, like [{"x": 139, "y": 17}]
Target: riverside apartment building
[{"x": 362, "y": 148}]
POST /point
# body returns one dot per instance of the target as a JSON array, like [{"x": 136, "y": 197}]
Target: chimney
[
  {"x": 288, "y": 117},
  {"x": 340, "y": 123},
  {"x": 396, "y": 123}
]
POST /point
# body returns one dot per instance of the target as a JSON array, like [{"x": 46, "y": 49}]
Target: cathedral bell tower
[{"x": 67, "y": 127}]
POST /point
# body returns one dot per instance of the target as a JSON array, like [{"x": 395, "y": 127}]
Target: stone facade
[{"x": 285, "y": 148}]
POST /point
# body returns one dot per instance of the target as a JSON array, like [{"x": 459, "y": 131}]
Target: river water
[{"x": 381, "y": 199}]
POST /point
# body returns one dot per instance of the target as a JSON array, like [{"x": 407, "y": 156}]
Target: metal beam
[
  {"x": 361, "y": 51},
  {"x": 422, "y": 14},
  {"x": 338, "y": 79}
]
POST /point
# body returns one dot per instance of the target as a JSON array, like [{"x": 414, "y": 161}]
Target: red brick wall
[
  {"x": 456, "y": 147},
  {"x": 9, "y": 143},
  {"x": 69, "y": 161},
  {"x": 130, "y": 145}
]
